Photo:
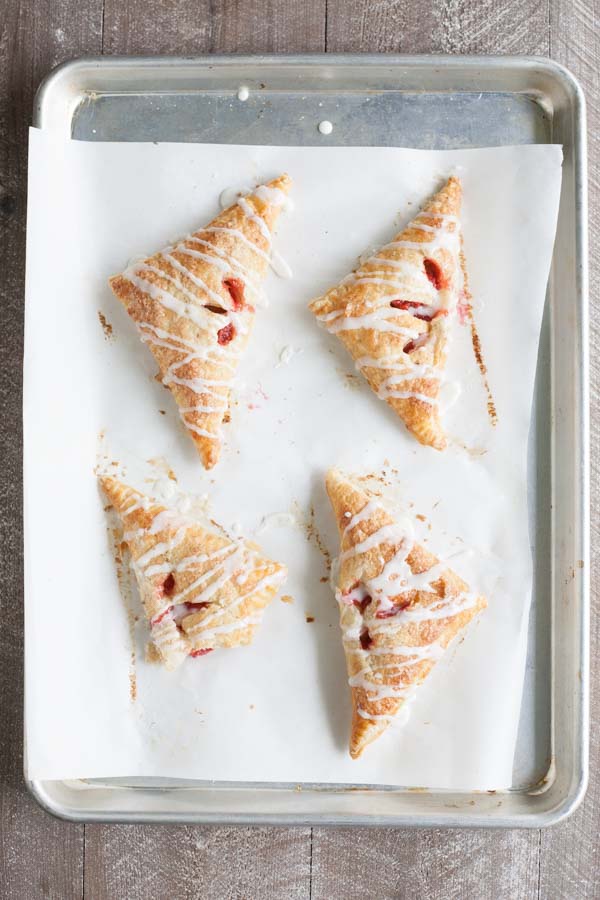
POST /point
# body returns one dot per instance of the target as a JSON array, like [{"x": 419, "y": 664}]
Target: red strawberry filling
[
  {"x": 226, "y": 334},
  {"x": 362, "y": 604},
  {"x": 203, "y": 652},
  {"x": 168, "y": 585},
  {"x": 163, "y": 615},
  {"x": 419, "y": 310},
  {"x": 366, "y": 640},
  {"x": 235, "y": 286},
  {"x": 396, "y": 608},
  {"x": 416, "y": 343},
  {"x": 463, "y": 308},
  {"x": 435, "y": 274}
]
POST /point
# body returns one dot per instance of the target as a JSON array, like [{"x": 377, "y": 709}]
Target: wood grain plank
[
  {"x": 39, "y": 856},
  {"x": 380, "y": 26},
  {"x": 439, "y": 864},
  {"x": 449, "y": 26},
  {"x": 224, "y": 26},
  {"x": 186, "y": 862},
  {"x": 570, "y": 861}
]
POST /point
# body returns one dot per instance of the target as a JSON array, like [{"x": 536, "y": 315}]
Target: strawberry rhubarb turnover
[
  {"x": 392, "y": 314},
  {"x": 400, "y": 607},
  {"x": 200, "y": 590},
  {"x": 194, "y": 303}
]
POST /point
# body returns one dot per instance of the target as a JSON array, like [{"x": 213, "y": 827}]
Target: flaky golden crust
[
  {"x": 200, "y": 590},
  {"x": 399, "y": 608},
  {"x": 194, "y": 306},
  {"x": 392, "y": 313}
]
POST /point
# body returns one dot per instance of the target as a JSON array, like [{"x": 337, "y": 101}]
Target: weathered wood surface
[{"x": 40, "y": 857}]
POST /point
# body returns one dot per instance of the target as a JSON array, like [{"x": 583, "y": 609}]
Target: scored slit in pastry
[
  {"x": 194, "y": 304},
  {"x": 392, "y": 313},
  {"x": 200, "y": 590},
  {"x": 400, "y": 607}
]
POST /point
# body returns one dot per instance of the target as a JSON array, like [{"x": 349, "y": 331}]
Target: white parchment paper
[{"x": 280, "y": 709}]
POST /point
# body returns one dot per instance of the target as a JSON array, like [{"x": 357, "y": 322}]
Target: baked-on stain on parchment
[{"x": 475, "y": 340}]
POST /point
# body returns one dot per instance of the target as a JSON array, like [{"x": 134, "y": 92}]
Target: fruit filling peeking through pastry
[
  {"x": 435, "y": 274},
  {"x": 177, "y": 296},
  {"x": 365, "y": 639},
  {"x": 168, "y": 585},
  {"x": 200, "y": 589},
  {"x": 419, "y": 310},
  {"x": 226, "y": 334},
  {"x": 400, "y": 607},
  {"x": 235, "y": 286},
  {"x": 417, "y": 343},
  {"x": 404, "y": 298}
]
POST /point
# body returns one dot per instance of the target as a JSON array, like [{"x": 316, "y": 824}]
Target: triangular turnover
[
  {"x": 200, "y": 589},
  {"x": 392, "y": 313},
  {"x": 400, "y": 607},
  {"x": 194, "y": 304}
]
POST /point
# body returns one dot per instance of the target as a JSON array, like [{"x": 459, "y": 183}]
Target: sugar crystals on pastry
[
  {"x": 194, "y": 303},
  {"x": 200, "y": 590},
  {"x": 392, "y": 313},
  {"x": 400, "y": 607}
]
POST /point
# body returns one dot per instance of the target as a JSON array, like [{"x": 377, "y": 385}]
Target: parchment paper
[{"x": 278, "y": 710}]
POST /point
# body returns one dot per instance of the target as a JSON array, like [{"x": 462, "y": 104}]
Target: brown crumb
[
  {"x": 310, "y": 619},
  {"x": 324, "y": 579},
  {"x": 352, "y": 380},
  {"x": 287, "y": 598},
  {"x": 132, "y": 687},
  {"x": 163, "y": 412},
  {"x": 226, "y": 418},
  {"x": 106, "y": 327},
  {"x": 421, "y": 518}
]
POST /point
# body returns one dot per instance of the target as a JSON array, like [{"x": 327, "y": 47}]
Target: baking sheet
[{"x": 284, "y": 700}]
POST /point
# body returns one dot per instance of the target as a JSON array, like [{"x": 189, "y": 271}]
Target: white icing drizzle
[
  {"x": 172, "y": 292},
  {"x": 253, "y": 216},
  {"x": 211, "y": 625},
  {"x": 233, "y": 562},
  {"x": 273, "y": 195},
  {"x": 280, "y": 266},
  {"x": 405, "y": 279},
  {"x": 384, "y": 666},
  {"x": 222, "y": 229}
]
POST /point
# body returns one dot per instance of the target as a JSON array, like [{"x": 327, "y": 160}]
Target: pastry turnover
[
  {"x": 392, "y": 313},
  {"x": 399, "y": 608},
  {"x": 194, "y": 303},
  {"x": 200, "y": 590}
]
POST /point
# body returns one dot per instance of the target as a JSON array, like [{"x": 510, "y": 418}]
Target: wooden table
[{"x": 42, "y": 857}]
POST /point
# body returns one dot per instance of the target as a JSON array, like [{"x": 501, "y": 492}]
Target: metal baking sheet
[{"x": 429, "y": 102}]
